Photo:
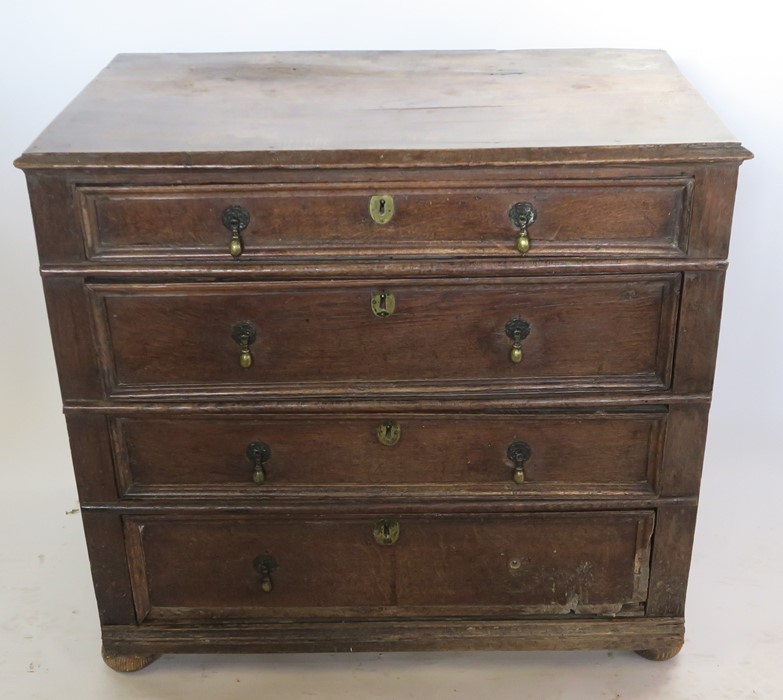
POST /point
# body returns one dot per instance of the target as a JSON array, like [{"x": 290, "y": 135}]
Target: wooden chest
[{"x": 378, "y": 351}]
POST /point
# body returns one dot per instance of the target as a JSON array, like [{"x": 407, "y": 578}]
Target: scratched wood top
[{"x": 380, "y": 107}]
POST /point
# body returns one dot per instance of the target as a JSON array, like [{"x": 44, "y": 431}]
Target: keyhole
[
  {"x": 388, "y": 430},
  {"x": 382, "y": 300},
  {"x": 382, "y": 207},
  {"x": 386, "y": 531}
]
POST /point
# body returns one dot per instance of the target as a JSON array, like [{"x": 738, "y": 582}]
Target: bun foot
[
  {"x": 661, "y": 654},
  {"x": 126, "y": 663}
]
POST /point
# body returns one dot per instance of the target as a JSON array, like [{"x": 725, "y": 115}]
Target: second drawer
[
  {"x": 574, "y": 453},
  {"x": 428, "y": 337}
]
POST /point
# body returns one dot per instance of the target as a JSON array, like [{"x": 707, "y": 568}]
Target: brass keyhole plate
[
  {"x": 381, "y": 208},
  {"x": 388, "y": 433},
  {"x": 382, "y": 303},
  {"x": 386, "y": 532}
]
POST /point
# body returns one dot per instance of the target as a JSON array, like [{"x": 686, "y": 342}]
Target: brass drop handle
[
  {"x": 522, "y": 215},
  {"x": 258, "y": 453},
  {"x": 236, "y": 219},
  {"x": 244, "y": 334},
  {"x": 517, "y": 330},
  {"x": 266, "y": 566},
  {"x": 386, "y": 531},
  {"x": 519, "y": 453}
]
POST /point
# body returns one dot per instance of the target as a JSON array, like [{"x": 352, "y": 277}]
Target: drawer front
[
  {"x": 244, "y": 567},
  {"x": 309, "y": 339},
  {"x": 590, "y": 217},
  {"x": 533, "y": 454}
]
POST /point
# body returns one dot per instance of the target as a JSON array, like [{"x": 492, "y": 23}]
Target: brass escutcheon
[
  {"x": 382, "y": 303},
  {"x": 381, "y": 208},
  {"x": 386, "y": 532},
  {"x": 388, "y": 432}
]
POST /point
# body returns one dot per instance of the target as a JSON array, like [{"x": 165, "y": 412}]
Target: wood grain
[
  {"x": 634, "y": 180},
  {"x": 531, "y": 564},
  {"x": 275, "y": 104},
  {"x": 395, "y": 635},
  {"x": 310, "y": 336},
  {"x": 573, "y": 216},
  {"x": 575, "y": 453}
]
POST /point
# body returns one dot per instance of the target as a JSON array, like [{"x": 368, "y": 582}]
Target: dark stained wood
[
  {"x": 361, "y": 269},
  {"x": 395, "y": 635},
  {"x": 671, "y": 559},
  {"x": 573, "y": 453},
  {"x": 713, "y": 210},
  {"x": 109, "y": 564},
  {"x": 599, "y": 330},
  {"x": 699, "y": 326},
  {"x": 91, "y": 449},
  {"x": 596, "y": 229},
  {"x": 378, "y": 504},
  {"x": 74, "y": 352},
  {"x": 634, "y": 181},
  {"x": 56, "y": 218},
  {"x": 686, "y": 433},
  {"x": 555, "y": 564},
  {"x": 573, "y": 216}
]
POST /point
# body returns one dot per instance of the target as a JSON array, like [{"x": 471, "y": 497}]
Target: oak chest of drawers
[{"x": 376, "y": 351}]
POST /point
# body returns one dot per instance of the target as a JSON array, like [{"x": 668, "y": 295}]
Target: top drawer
[{"x": 617, "y": 217}]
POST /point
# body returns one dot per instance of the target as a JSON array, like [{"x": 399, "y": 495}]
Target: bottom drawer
[{"x": 254, "y": 567}]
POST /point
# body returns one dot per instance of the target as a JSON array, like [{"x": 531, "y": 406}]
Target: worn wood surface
[
  {"x": 446, "y": 105},
  {"x": 635, "y": 212},
  {"x": 543, "y": 564},
  {"x": 633, "y": 178},
  {"x": 573, "y": 216},
  {"x": 317, "y": 339},
  {"x": 395, "y": 635},
  {"x": 574, "y": 453}
]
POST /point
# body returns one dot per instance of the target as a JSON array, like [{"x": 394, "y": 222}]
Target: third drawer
[{"x": 578, "y": 453}]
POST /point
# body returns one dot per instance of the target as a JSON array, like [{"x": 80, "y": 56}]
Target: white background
[{"x": 731, "y": 52}]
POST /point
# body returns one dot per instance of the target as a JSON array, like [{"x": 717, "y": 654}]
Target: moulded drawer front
[
  {"x": 578, "y": 453},
  {"x": 618, "y": 217},
  {"x": 588, "y": 333},
  {"x": 549, "y": 563}
]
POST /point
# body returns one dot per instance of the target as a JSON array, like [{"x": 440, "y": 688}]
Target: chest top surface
[{"x": 378, "y": 108}]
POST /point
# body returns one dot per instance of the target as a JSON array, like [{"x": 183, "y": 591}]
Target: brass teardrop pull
[
  {"x": 265, "y": 565},
  {"x": 236, "y": 219},
  {"x": 244, "y": 334},
  {"x": 519, "y": 453},
  {"x": 258, "y": 453},
  {"x": 522, "y": 215},
  {"x": 517, "y": 330}
]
